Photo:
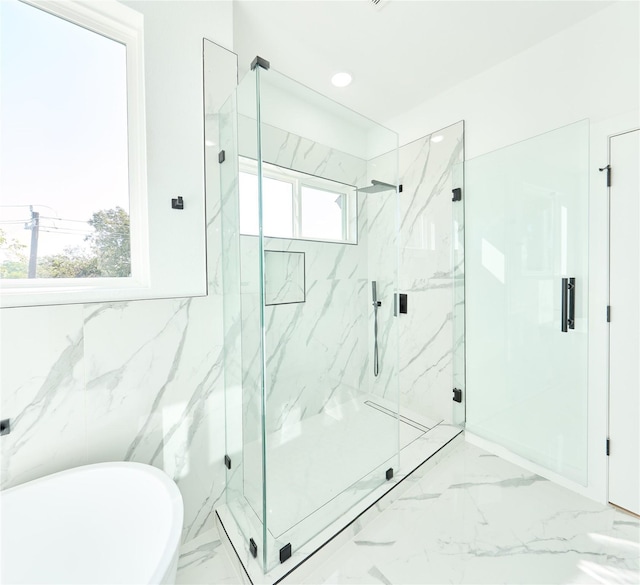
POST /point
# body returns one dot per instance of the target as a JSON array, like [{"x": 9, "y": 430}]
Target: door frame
[{"x": 610, "y": 137}]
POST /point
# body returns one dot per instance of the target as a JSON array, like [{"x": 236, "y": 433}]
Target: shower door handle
[
  {"x": 563, "y": 305},
  {"x": 568, "y": 319},
  {"x": 571, "y": 321}
]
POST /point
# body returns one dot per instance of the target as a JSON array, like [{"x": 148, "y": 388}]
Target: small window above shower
[{"x": 296, "y": 205}]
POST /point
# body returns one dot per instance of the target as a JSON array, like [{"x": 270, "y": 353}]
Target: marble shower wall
[
  {"x": 315, "y": 350},
  {"x": 429, "y": 170}
]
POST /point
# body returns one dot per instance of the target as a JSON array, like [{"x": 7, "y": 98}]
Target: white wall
[
  {"x": 139, "y": 380},
  {"x": 588, "y": 71},
  {"x": 591, "y": 70},
  {"x": 173, "y": 32}
]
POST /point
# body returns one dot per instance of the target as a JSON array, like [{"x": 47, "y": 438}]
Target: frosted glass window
[
  {"x": 64, "y": 180},
  {"x": 322, "y": 214}
]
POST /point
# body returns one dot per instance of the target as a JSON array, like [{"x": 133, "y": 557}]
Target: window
[
  {"x": 72, "y": 188},
  {"x": 296, "y": 205}
]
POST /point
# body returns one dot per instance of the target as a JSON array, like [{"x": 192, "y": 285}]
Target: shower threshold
[{"x": 311, "y": 498}]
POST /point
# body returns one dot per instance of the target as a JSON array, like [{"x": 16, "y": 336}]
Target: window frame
[
  {"x": 299, "y": 180},
  {"x": 124, "y": 25}
]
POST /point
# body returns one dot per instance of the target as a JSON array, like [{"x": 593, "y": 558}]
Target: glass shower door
[
  {"x": 526, "y": 298},
  {"x": 327, "y": 241}
]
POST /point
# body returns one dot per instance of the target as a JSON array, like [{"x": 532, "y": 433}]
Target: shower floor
[
  {"x": 325, "y": 481},
  {"x": 320, "y": 467}
]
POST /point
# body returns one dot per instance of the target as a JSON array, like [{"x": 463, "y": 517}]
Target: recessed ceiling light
[
  {"x": 438, "y": 138},
  {"x": 341, "y": 79}
]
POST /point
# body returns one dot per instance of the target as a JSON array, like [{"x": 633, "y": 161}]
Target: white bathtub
[{"x": 103, "y": 523}]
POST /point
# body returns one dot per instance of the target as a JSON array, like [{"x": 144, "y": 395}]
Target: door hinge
[
  {"x": 285, "y": 552},
  {"x": 457, "y": 395},
  {"x": 457, "y": 194},
  {"x": 608, "y": 447},
  {"x": 608, "y": 313},
  {"x": 222, "y": 156},
  {"x": 608, "y": 169}
]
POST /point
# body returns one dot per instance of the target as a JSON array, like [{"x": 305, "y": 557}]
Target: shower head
[{"x": 376, "y": 187}]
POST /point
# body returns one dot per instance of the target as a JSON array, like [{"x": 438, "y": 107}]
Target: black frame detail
[
  {"x": 457, "y": 395},
  {"x": 608, "y": 313},
  {"x": 403, "y": 303},
  {"x": 5, "y": 426},
  {"x": 177, "y": 203},
  {"x": 227, "y": 461},
  {"x": 285, "y": 553},
  {"x": 221, "y": 156},
  {"x": 457, "y": 194},
  {"x": 260, "y": 62},
  {"x": 389, "y": 473},
  {"x": 608, "y": 169},
  {"x": 608, "y": 446},
  {"x": 253, "y": 547},
  {"x": 399, "y": 188}
]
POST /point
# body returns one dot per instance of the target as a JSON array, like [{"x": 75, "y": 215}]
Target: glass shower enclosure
[{"x": 309, "y": 208}]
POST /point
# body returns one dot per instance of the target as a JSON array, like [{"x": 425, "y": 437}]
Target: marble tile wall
[
  {"x": 315, "y": 351},
  {"x": 132, "y": 381},
  {"x": 429, "y": 170}
]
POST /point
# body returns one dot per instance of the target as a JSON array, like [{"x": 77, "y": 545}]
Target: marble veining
[
  {"x": 203, "y": 561},
  {"x": 42, "y": 378},
  {"x": 428, "y": 172},
  {"x": 479, "y": 519}
]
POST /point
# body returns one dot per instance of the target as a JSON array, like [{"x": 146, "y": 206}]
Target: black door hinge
[
  {"x": 608, "y": 169},
  {"x": 457, "y": 395},
  {"x": 457, "y": 194},
  {"x": 222, "y": 156},
  {"x": 227, "y": 461},
  {"x": 608, "y": 313},
  {"x": 608, "y": 447},
  {"x": 285, "y": 552}
]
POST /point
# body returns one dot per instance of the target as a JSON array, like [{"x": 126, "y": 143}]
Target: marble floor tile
[
  {"x": 476, "y": 518},
  {"x": 204, "y": 561}
]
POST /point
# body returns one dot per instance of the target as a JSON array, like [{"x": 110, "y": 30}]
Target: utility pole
[{"x": 34, "y": 226}]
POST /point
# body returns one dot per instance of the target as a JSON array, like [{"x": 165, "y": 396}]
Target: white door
[{"x": 624, "y": 372}]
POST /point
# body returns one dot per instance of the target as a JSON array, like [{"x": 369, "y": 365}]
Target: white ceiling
[{"x": 400, "y": 52}]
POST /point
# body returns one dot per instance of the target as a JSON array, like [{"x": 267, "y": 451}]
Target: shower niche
[{"x": 309, "y": 220}]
